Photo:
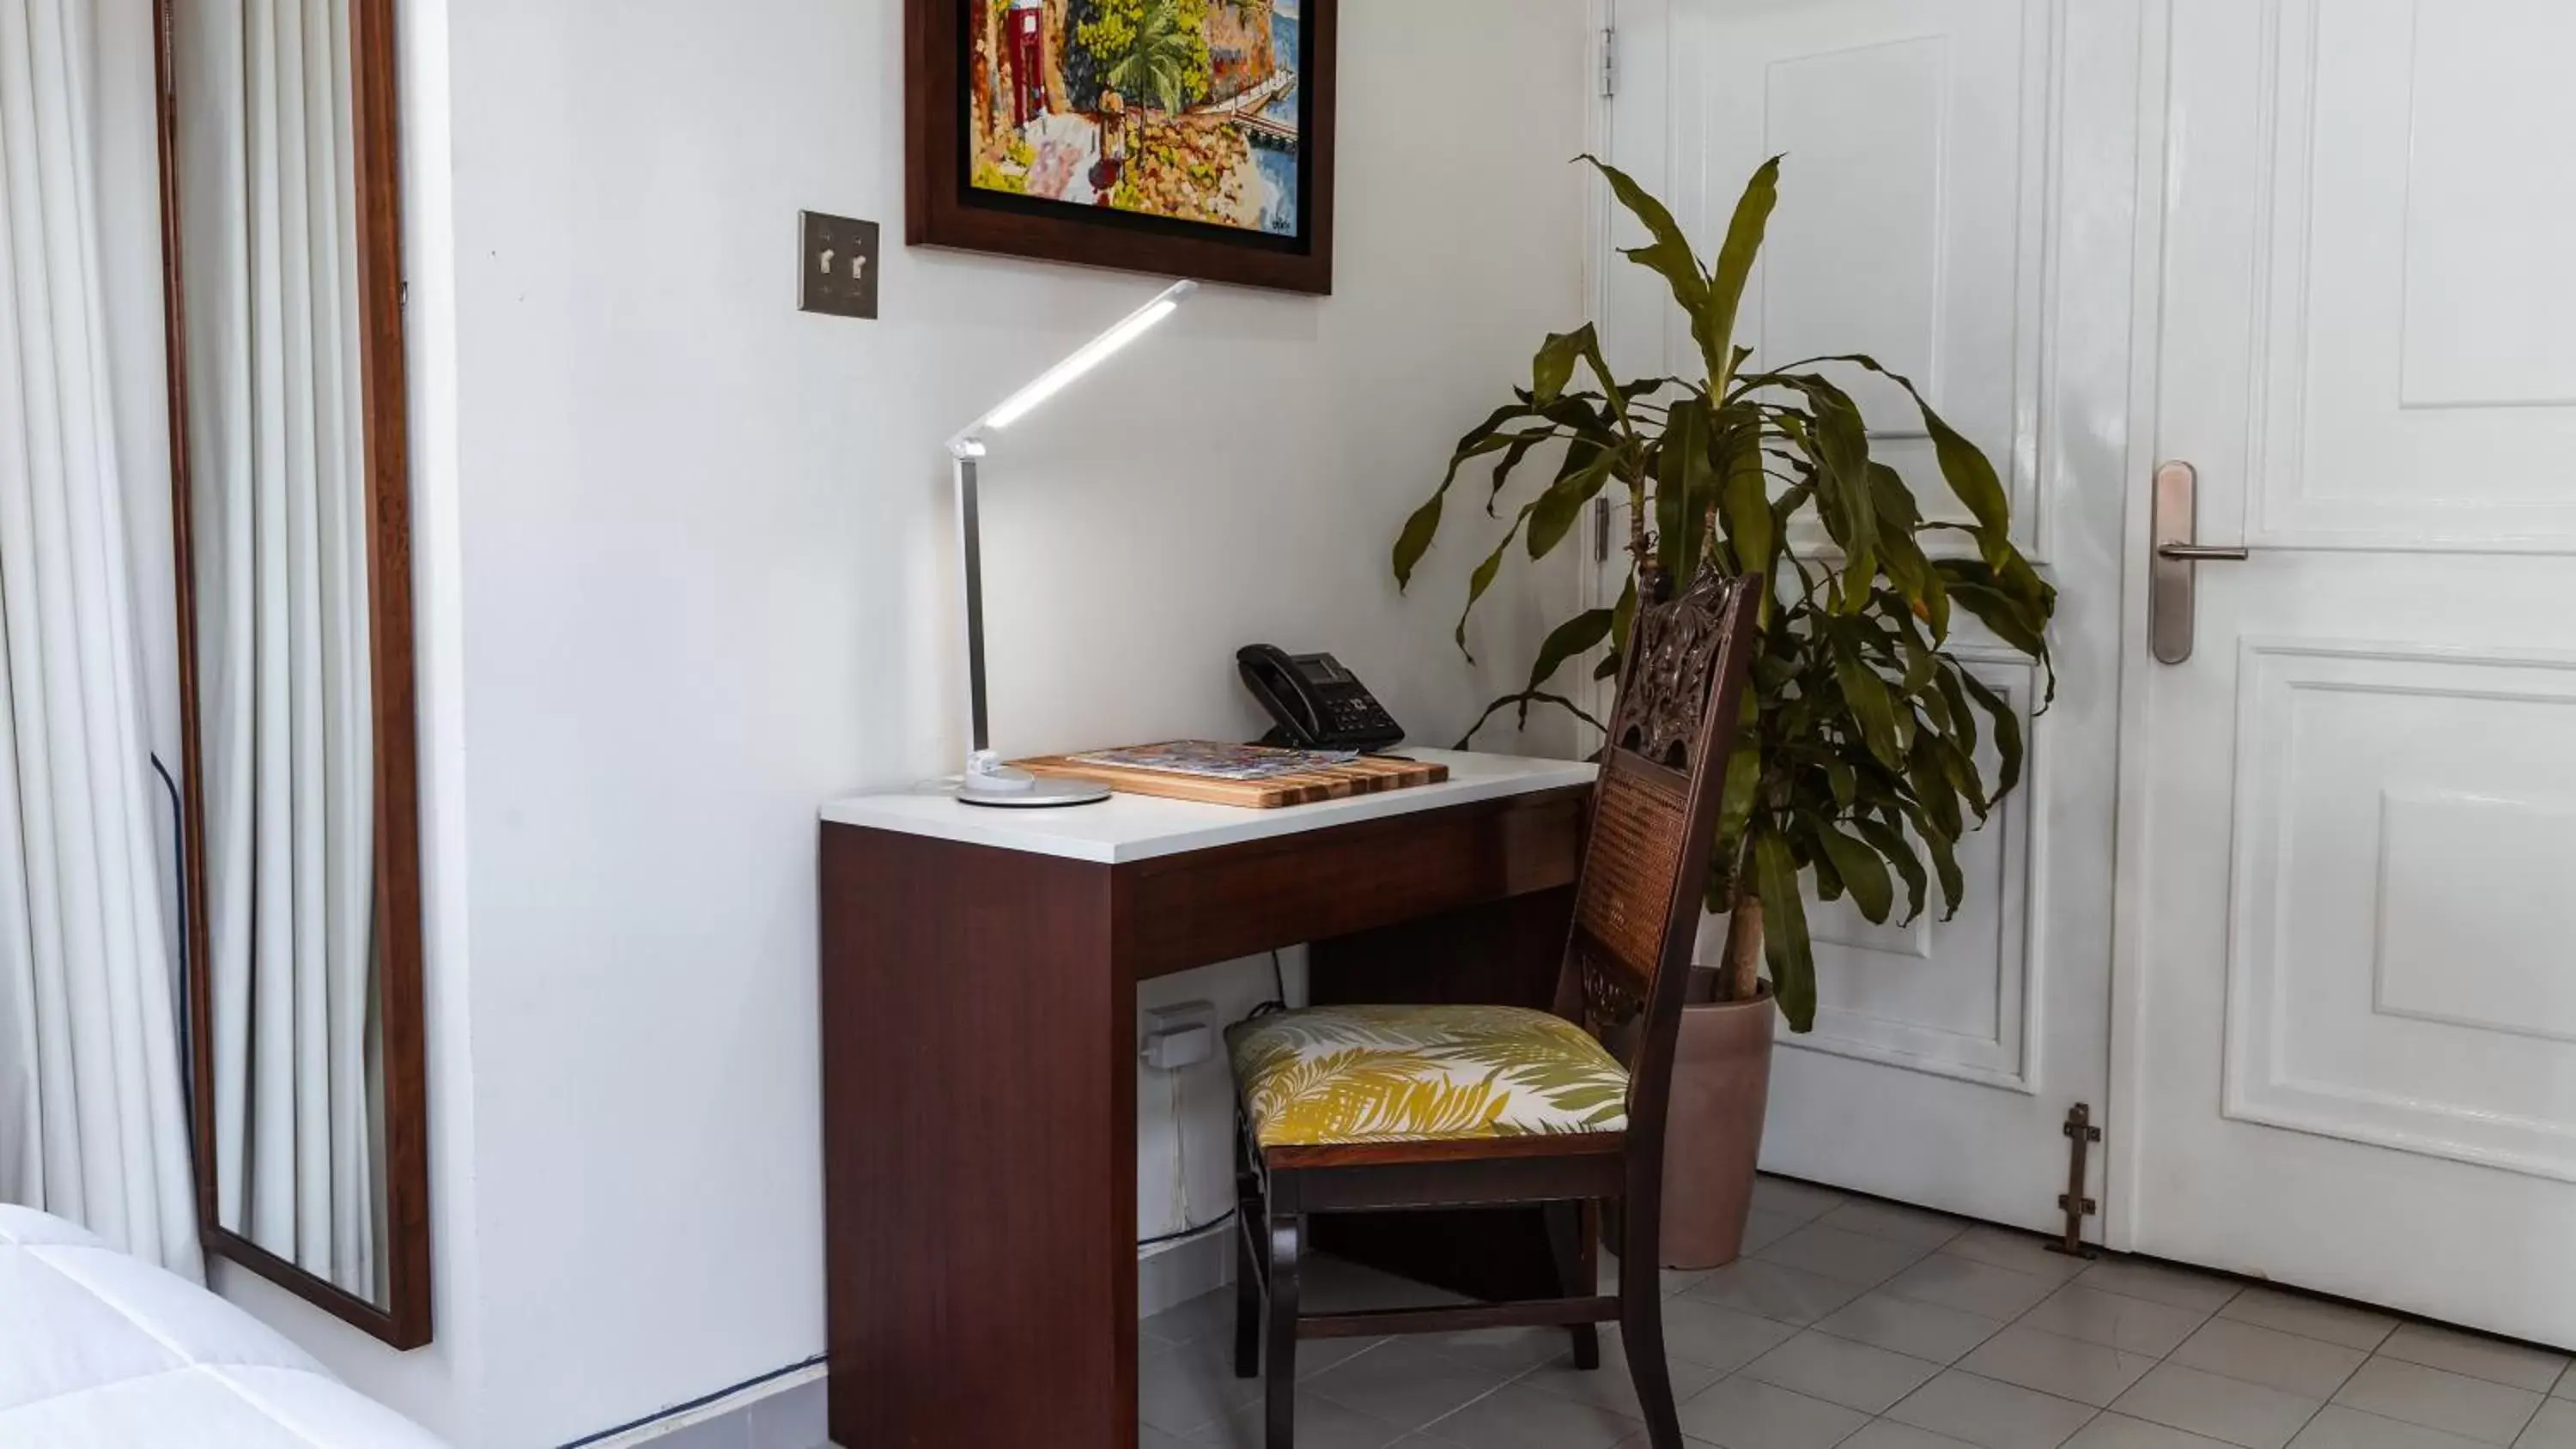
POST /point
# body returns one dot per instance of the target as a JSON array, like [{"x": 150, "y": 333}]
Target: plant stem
[{"x": 1743, "y": 975}]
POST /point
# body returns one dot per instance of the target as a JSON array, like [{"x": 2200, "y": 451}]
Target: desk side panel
[{"x": 979, "y": 1154}]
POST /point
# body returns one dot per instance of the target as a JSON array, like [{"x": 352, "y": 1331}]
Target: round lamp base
[{"x": 1038, "y": 794}]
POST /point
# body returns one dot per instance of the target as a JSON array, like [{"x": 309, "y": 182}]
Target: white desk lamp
[{"x": 988, "y": 781}]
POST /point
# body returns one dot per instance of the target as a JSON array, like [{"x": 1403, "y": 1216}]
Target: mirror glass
[{"x": 279, "y": 610}]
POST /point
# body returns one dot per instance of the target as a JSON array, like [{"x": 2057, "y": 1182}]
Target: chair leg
[
  {"x": 1279, "y": 1360},
  {"x": 1641, "y": 1320},
  {"x": 1576, "y": 1277},
  {"x": 1247, "y": 1265}
]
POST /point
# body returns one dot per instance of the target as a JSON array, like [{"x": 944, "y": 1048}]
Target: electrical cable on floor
[{"x": 1192, "y": 1231}]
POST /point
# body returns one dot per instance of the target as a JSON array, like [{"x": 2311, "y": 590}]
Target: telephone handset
[{"x": 1319, "y": 704}]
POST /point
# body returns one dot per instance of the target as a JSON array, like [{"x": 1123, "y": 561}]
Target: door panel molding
[
  {"x": 2390, "y": 800},
  {"x": 2426, "y": 466}
]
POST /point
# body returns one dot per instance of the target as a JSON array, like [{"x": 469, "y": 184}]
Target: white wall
[{"x": 699, "y": 583}]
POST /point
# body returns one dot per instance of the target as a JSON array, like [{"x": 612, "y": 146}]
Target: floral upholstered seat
[{"x": 1354, "y": 1074}]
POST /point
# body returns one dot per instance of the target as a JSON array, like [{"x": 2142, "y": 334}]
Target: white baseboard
[
  {"x": 781, "y": 1413},
  {"x": 1171, "y": 1274}
]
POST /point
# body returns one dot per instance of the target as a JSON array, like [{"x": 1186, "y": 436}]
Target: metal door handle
[{"x": 2173, "y": 566}]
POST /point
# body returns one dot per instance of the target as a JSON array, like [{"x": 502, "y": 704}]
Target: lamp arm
[{"x": 970, "y": 558}]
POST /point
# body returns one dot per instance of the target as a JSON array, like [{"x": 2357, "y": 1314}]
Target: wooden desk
[{"x": 979, "y": 1046}]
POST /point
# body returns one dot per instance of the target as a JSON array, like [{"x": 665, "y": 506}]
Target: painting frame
[{"x": 944, "y": 209}]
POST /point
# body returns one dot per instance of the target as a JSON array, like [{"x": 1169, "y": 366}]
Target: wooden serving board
[{"x": 1362, "y": 776}]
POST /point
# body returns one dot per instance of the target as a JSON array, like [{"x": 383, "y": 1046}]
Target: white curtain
[
  {"x": 92, "y": 1123},
  {"x": 269, "y": 210}
]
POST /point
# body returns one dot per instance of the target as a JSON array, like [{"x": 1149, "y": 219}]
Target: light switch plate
[{"x": 837, "y": 258}]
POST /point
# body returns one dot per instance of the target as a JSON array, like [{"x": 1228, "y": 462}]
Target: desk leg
[
  {"x": 979, "y": 1125},
  {"x": 1508, "y": 953}
]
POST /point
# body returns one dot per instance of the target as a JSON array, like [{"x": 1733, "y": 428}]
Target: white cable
[{"x": 1180, "y": 1156}]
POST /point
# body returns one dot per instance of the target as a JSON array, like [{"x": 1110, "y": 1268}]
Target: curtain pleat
[
  {"x": 279, "y": 513},
  {"x": 92, "y": 1123}
]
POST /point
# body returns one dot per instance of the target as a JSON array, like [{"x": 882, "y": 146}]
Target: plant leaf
[
  {"x": 1744, "y": 512},
  {"x": 1863, "y": 873},
  {"x": 1938, "y": 799},
  {"x": 1893, "y": 847},
  {"x": 1669, "y": 255},
  {"x": 1785, "y": 946},
  {"x": 1735, "y": 797},
  {"x": 1575, "y": 635},
  {"x": 1945, "y": 865},
  {"x": 1524, "y": 700},
  {"x": 1970, "y": 474},
  {"x": 2015, "y": 621},
  {"x": 1415, "y": 540},
  {"x": 1483, "y": 578},
  {"x": 1622, "y": 616},
  {"x": 1552, "y": 514},
  {"x": 2008, "y": 744},
  {"x": 1954, "y": 703},
  {"x": 1682, "y": 475},
  {"x": 1866, "y": 695},
  {"x": 1522, "y": 444},
  {"x": 1842, "y": 781},
  {"x": 1553, "y": 367},
  {"x": 1714, "y": 324}
]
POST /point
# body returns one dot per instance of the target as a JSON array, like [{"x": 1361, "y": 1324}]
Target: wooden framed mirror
[{"x": 282, "y": 272}]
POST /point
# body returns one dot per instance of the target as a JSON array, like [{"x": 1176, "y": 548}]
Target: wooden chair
[{"x": 1366, "y": 1108}]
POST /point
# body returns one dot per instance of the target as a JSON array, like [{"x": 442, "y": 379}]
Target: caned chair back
[{"x": 1654, "y": 813}]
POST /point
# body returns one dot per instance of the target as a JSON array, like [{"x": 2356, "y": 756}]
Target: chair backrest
[{"x": 1654, "y": 813}]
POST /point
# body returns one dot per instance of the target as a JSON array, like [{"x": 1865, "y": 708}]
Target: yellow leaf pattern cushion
[{"x": 1336, "y": 1074}]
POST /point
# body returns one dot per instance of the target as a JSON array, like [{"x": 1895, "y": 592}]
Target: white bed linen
[{"x": 102, "y": 1351}]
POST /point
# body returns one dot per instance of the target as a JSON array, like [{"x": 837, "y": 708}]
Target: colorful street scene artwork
[{"x": 1184, "y": 109}]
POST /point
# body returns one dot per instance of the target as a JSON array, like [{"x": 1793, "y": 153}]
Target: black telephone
[{"x": 1319, "y": 704}]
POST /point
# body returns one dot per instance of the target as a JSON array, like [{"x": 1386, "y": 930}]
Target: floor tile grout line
[
  {"x": 2427, "y": 1428},
  {"x": 2319, "y": 1409},
  {"x": 2382, "y": 1352},
  {"x": 2527, "y": 1419}
]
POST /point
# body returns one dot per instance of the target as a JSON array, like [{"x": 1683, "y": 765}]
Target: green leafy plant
[{"x": 1857, "y": 764}]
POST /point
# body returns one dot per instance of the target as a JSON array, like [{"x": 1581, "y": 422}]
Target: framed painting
[{"x": 1187, "y": 138}]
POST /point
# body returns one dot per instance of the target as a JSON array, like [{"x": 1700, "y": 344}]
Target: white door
[
  {"x": 2349, "y": 1001},
  {"x": 1957, "y": 200}
]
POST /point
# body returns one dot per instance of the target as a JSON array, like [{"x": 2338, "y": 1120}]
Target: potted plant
[{"x": 1859, "y": 767}]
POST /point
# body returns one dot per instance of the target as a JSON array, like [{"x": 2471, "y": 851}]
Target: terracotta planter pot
[{"x": 1721, "y": 1085}]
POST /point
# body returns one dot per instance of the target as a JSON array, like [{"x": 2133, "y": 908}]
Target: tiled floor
[{"x": 1860, "y": 1324}]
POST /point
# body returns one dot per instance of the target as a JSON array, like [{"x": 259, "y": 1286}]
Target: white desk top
[{"x": 1140, "y": 827}]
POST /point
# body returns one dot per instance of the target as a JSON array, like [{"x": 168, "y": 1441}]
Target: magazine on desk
[{"x": 1209, "y": 759}]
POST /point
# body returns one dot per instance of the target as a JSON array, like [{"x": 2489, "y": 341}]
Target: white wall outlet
[{"x": 1179, "y": 1035}]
